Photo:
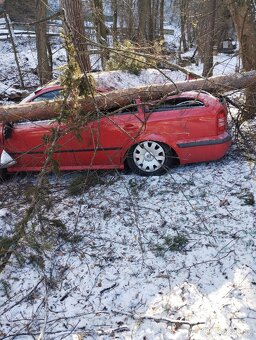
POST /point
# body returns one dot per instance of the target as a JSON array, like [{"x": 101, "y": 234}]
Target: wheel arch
[{"x": 153, "y": 138}]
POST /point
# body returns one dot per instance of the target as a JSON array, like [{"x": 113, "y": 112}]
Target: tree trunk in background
[
  {"x": 99, "y": 20},
  {"x": 101, "y": 30},
  {"x": 44, "y": 66},
  {"x": 74, "y": 16},
  {"x": 153, "y": 20},
  {"x": 144, "y": 13},
  {"x": 223, "y": 24},
  {"x": 11, "y": 34},
  {"x": 127, "y": 9},
  {"x": 183, "y": 23},
  {"x": 126, "y": 17},
  {"x": 243, "y": 15},
  {"x": 19, "y": 10},
  {"x": 201, "y": 27},
  {"x": 115, "y": 17},
  {"x": 161, "y": 19},
  {"x": 210, "y": 6}
]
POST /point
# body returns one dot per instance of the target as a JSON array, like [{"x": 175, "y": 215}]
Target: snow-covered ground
[
  {"x": 27, "y": 59},
  {"x": 129, "y": 257}
]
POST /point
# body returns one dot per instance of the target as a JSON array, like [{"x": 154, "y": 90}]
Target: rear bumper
[
  {"x": 222, "y": 140},
  {"x": 203, "y": 150}
]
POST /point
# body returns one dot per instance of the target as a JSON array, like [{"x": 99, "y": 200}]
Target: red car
[{"x": 188, "y": 127}]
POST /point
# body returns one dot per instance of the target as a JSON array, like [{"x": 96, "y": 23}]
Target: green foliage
[
  {"x": 55, "y": 166},
  {"x": 170, "y": 243},
  {"x": 76, "y": 186},
  {"x": 5, "y": 243},
  {"x": 83, "y": 182},
  {"x": 6, "y": 287},
  {"x": 158, "y": 249},
  {"x": 175, "y": 243},
  {"x": 74, "y": 83},
  {"x": 125, "y": 57},
  {"x": 37, "y": 261}
]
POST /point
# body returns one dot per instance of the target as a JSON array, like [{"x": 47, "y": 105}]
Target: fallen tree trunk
[{"x": 120, "y": 98}]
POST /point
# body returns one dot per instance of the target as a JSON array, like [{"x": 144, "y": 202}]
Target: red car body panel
[{"x": 196, "y": 132}]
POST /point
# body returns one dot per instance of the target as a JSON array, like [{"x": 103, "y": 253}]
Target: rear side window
[
  {"x": 175, "y": 103},
  {"x": 132, "y": 108},
  {"x": 48, "y": 96}
]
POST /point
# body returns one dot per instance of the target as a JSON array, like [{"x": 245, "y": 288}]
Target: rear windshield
[
  {"x": 132, "y": 108},
  {"x": 50, "y": 95},
  {"x": 175, "y": 103}
]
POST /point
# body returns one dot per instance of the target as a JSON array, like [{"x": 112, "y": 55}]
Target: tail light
[{"x": 221, "y": 122}]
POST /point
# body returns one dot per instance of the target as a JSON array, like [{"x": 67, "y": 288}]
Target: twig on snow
[{"x": 174, "y": 321}]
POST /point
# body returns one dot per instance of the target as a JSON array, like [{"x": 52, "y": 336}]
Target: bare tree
[
  {"x": 114, "y": 8},
  {"x": 243, "y": 15},
  {"x": 44, "y": 66},
  {"x": 101, "y": 29},
  {"x": 156, "y": 20},
  {"x": 128, "y": 13},
  {"x": 11, "y": 33},
  {"x": 74, "y": 22},
  {"x": 144, "y": 27},
  {"x": 210, "y": 7},
  {"x": 183, "y": 23},
  {"x": 161, "y": 19},
  {"x": 223, "y": 23}
]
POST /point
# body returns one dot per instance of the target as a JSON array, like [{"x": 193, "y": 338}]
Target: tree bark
[
  {"x": 153, "y": 17},
  {"x": 144, "y": 13},
  {"x": 44, "y": 67},
  {"x": 243, "y": 15},
  {"x": 223, "y": 24},
  {"x": 101, "y": 30},
  {"x": 74, "y": 16},
  {"x": 115, "y": 17},
  {"x": 128, "y": 9},
  {"x": 121, "y": 98},
  {"x": 209, "y": 37},
  {"x": 183, "y": 23},
  {"x": 161, "y": 19},
  {"x": 11, "y": 33}
]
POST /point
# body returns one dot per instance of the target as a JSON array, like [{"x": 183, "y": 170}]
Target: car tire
[{"x": 150, "y": 158}]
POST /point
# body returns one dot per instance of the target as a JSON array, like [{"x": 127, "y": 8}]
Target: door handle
[{"x": 129, "y": 127}]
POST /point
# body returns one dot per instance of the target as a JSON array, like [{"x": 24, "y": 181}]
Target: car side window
[
  {"x": 128, "y": 109},
  {"x": 174, "y": 103},
  {"x": 48, "y": 96}
]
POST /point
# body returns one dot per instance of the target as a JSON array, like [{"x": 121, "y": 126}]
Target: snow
[
  {"x": 223, "y": 64},
  {"x": 10, "y": 92},
  {"x": 116, "y": 269},
  {"x": 122, "y": 80},
  {"x": 108, "y": 266}
]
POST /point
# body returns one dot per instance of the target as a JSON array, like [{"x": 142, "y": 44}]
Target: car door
[
  {"x": 29, "y": 144},
  {"x": 110, "y": 135},
  {"x": 95, "y": 145},
  {"x": 120, "y": 130}
]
